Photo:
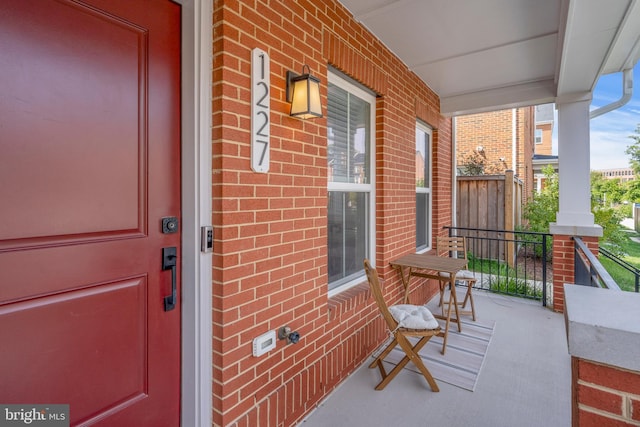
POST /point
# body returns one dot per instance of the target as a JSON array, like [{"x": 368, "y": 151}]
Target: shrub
[{"x": 541, "y": 211}]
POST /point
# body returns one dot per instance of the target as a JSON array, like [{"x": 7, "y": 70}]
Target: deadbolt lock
[{"x": 169, "y": 225}]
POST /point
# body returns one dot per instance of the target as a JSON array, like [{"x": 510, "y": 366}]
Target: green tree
[
  {"x": 632, "y": 193},
  {"x": 597, "y": 188},
  {"x": 542, "y": 210},
  {"x": 606, "y": 192},
  {"x": 634, "y": 151},
  {"x": 612, "y": 235}
]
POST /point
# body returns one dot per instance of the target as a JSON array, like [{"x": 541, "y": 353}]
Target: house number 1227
[{"x": 260, "y": 110}]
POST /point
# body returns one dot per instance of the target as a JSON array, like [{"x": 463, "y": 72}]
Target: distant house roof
[
  {"x": 541, "y": 160},
  {"x": 544, "y": 113},
  {"x": 544, "y": 157}
]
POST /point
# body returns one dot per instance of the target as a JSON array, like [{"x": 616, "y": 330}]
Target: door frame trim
[{"x": 196, "y": 369}]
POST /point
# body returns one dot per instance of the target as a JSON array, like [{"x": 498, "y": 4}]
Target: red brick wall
[
  {"x": 604, "y": 395},
  {"x": 270, "y": 249},
  {"x": 563, "y": 264},
  {"x": 493, "y": 131}
]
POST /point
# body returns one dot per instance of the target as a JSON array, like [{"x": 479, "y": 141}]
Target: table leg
[
  {"x": 455, "y": 301},
  {"x": 405, "y": 282}
]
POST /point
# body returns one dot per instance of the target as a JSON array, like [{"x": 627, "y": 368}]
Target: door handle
[{"x": 169, "y": 258}]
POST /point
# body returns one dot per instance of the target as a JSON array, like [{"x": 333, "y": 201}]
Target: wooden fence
[{"x": 491, "y": 202}]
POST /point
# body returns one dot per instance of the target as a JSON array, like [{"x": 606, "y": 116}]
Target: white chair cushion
[
  {"x": 413, "y": 316},
  {"x": 462, "y": 274}
]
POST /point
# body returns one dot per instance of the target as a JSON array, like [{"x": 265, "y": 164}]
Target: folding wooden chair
[
  {"x": 401, "y": 334},
  {"x": 456, "y": 246}
]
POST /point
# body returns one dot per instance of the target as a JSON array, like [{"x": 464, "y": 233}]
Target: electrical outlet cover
[{"x": 264, "y": 343}]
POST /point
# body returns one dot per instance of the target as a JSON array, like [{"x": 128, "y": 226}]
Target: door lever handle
[{"x": 169, "y": 262}]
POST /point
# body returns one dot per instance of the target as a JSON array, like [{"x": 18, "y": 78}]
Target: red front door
[{"x": 89, "y": 167}]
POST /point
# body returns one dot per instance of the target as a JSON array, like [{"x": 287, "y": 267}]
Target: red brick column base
[
  {"x": 603, "y": 395},
  {"x": 564, "y": 263}
]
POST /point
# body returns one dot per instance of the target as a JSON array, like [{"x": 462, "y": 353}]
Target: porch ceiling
[{"x": 493, "y": 54}]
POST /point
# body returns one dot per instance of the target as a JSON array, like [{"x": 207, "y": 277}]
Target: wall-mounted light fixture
[{"x": 303, "y": 92}]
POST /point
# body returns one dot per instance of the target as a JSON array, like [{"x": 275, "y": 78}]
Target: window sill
[{"x": 348, "y": 300}]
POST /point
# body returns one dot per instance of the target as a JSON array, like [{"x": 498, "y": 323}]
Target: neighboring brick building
[
  {"x": 623, "y": 174},
  {"x": 543, "y": 135},
  {"x": 543, "y": 155},
  {"x": 505, "y": 138}
]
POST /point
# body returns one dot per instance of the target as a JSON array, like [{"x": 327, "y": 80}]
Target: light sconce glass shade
[{"x": 303, "y": 92}]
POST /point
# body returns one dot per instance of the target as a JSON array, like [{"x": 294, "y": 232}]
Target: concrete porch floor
[{"x": 525, "y": 380}]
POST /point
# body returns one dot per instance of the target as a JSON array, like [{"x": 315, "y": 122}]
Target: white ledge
[
  {"x": 603, "y": 325},
  {"x": 576, "y": 230}
]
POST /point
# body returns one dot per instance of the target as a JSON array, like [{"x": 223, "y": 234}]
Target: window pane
[
  {"x": 422, "y": 158},
  {"x": 538, "y": 136},
  {"x": 427, "y": 160},
  {"x": 422, "y": 220},
  {"x": 348, "y": 124},
  {"x": 348, "y": 235},
  {"x": 423, "y": 188}
]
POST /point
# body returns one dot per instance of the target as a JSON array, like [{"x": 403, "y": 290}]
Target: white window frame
[
  {"x": 342, "y": 82},
  {"x": 536, "y": 132},
  {"x": 427, "y": 189}
]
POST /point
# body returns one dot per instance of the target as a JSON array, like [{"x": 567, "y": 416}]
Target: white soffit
[
  {"x": 592, "y": 26},
  {"x": 626, "y": 50},
  {"x": 492, "y": 54}
]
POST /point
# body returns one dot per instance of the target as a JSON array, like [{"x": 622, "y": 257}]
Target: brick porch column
[
  {"x": 564, "y": 264},
  {"x": 574, "y": 217}
]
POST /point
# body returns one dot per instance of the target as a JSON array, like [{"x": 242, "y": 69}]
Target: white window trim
[
  {"x": 427, "y": 190},
  {"x": 343, "y": 83}
]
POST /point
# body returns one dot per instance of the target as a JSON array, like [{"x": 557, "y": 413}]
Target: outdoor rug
[{"x": 463, "y": 360}]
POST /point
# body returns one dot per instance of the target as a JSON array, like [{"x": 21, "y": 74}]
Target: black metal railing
[
  {"x": 588, "y": 270},
  {"x": 509, "y": 262},
  {"x": 635, "y": 271}
]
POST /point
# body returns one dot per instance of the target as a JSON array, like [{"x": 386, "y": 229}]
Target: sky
[{"x": 610, "y": 132}]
